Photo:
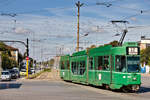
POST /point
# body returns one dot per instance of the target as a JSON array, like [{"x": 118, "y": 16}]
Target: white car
[
  {"x": 32, "y": 70},
  {"x": 5, "y": 75}
]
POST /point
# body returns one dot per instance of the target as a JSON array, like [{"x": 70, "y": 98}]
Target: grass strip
[{"x": 39, "y": 73}]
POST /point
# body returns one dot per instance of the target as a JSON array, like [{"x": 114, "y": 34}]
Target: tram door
[
  {"x": 103, "y": 69},
  {"x": 111, "y": 67},
  {"x": 91, "y": 70}
]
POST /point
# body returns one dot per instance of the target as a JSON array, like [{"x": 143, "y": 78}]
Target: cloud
[
  {"x": 21, "y": 30},
  {"x": 60, "y": 28},
  {"x": 133, "y": 19},
  {"x": 97, "y": 29}
]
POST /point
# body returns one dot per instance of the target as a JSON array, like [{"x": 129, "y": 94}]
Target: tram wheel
[
  {"x": 107, "y": 87},
  {"x": 125, "y": 90}
]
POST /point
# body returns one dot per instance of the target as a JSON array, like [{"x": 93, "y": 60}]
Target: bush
[{"x": 47, "y": 70}]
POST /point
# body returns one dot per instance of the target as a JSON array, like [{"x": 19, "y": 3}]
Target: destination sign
[{"x": 133, "y": 51}]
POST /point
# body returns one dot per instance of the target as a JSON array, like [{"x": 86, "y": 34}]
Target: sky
[{"x": 51, "y": 25}]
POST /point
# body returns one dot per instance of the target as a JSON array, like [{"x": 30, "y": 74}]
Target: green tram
[{"x": 112, "y": 67}]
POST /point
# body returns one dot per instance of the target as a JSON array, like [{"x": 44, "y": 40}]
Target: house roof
[
  {"x": 7, "y": 47},
  {"x": 11, "y": 48}
]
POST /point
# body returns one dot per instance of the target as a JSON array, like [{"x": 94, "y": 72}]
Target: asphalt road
[{"x": 60, "y": 90}]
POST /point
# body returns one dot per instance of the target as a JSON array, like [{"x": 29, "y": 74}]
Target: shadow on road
[
  {"x": 144, "y": 89},
  {"x": 9, "y": 85}
]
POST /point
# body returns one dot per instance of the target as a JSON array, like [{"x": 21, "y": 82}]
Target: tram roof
[{"x": 102, "y": 48}]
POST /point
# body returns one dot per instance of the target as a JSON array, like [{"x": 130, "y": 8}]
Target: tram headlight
[
  {"x": 124, "y": 76},
  {"x": 134, "y": 79}
]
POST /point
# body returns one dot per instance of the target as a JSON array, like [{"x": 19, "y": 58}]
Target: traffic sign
[{"x": 27, "y": 58}]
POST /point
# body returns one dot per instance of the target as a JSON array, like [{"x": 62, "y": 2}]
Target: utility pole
[
  {"x": 27, "y": 47},
  {"x": 78, "y": 25},
  {"x": 27, "y": 59}
]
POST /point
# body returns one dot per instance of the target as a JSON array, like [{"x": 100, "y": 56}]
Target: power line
[
  {"x": 110, "y": 4},
  {"x": 36, "y": 11}
]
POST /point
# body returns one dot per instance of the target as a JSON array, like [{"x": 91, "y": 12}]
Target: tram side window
[
  {"x": 91, "y": 63},
  {"x": 106, "y": 63},
  {"x": 120, "y": 63},
  {"x": 68, "y": 65},
  {"x": 74, "y": 68},
  {"x": 78, "y": 68},
  {"x": 100, "y": 63},
  {"x": 62, "y": 65},
  {"x": 82, "y": 67}
]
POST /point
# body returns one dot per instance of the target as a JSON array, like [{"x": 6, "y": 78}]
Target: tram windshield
[{"x": 133, "y": 63}]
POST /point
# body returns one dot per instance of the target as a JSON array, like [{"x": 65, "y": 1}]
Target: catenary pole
[{"x": 78, "y": 23}]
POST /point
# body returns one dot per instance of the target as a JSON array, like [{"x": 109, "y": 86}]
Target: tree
[
  {"x": 3, "y": 46},
  {"x": 113, "y": 43},
  {"x": 20, "y": 57},
  {"x": 31, "y": 63},
  {"x": 51, "y": 62},
  {"x": 6, "y": 63},
  {"x": 145, "y": 56},
  {"x": 92, "y": 46},
  {"x": 13, "y": 63}
]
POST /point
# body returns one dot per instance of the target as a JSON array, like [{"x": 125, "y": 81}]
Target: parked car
[
  {"x": 13, "y": 73},
  {"x": 17, "y": 72},
  {"x": 5, "y": 75}
]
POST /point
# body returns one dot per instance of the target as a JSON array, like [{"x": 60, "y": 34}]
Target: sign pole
[
  {"x": 27, "y": 68},
  {"x": 27, "y": 58}
]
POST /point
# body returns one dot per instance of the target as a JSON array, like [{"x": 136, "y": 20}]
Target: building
[
  {"x": 14, "y": 52},
  {"x": 144, "y": 43}
]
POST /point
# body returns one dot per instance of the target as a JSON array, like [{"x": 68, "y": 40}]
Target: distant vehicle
[
  {"x": 29, "y": 71},
  {"x": 15, "y": 68},
  {"x": 32, "y": 70},
  {"x": 5, "y": 75},
  {"x": 17, "y": 72},
  {"x": 23, "y": 72},
  {"x": 13, "y": 74}
]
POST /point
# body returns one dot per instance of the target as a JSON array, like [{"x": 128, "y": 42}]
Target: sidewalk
[{"x": 145, "y": 74}]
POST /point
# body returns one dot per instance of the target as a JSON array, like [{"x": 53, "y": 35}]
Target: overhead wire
[
  {"x": 34, "y": 11},
  {"x": 138, "y": 14},
  {"x": 109, "y": 4}
]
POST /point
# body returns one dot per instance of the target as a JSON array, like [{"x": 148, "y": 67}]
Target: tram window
[
  {"x": 120, "y": 63},
  {"x": 68, "y": 65},
  {"x": 62, "y": 65},
  {"x": 100, "y": 62},
  {"x": 106, "y": 63},
  {"x": 82, "y": 67},
  {"x": 90, "y": 63},
  {"x": 133, "y": 63},
  {"x": 74, "y": 67},
  {"x": 77, "y": 68}
]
